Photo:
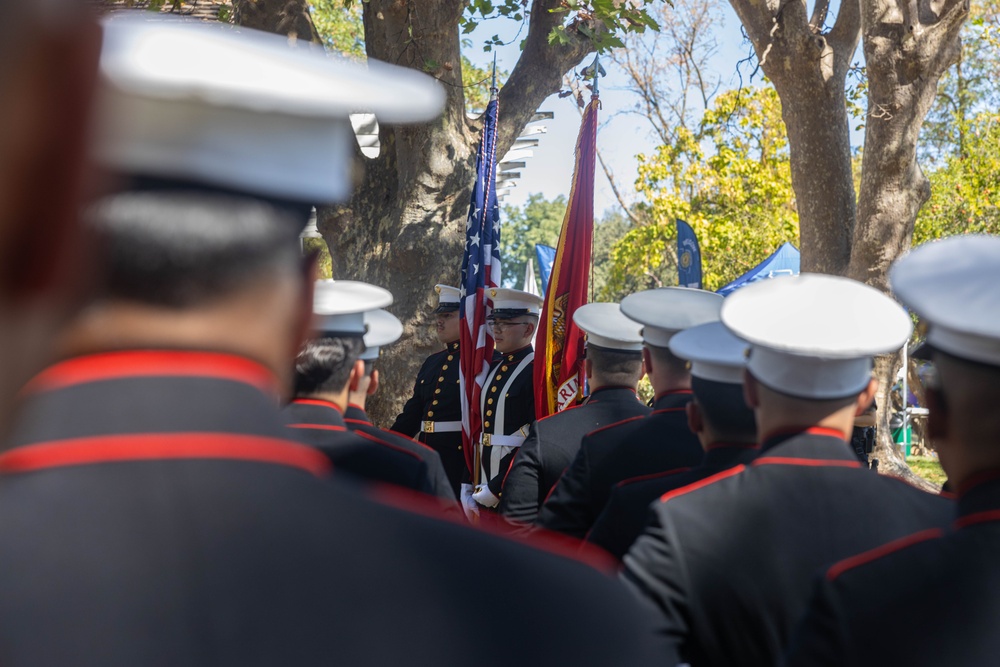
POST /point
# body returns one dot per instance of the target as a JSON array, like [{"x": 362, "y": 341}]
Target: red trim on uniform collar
[
  {"x": 163, "y": 446},
  {"x": 319, "y": 402},
  {"x": 977, "y": 479},
  {"x": 731, "y": 445},
  {"x": 356, "y": 407},
  {"x": 814, "y": 463},
  {"x": 735, "y": 470},
  {"x": 652, "y": 475},
  {"x": 977, "y": 517},
  {"x": 319, "y": 427},
  {"x": 810, "y": 430},
  {"x": 882, "y": 551},
  {"x": 671, "y": 392},
  {"x": 146, "y": 363}
]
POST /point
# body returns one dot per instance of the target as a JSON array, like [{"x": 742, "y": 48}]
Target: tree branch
[
  {"x": 845, "y": 34},
  {"x": 820, "y": 10},
  {"x": 538, "y": 72}
]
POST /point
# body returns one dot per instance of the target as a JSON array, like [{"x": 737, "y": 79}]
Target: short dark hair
[
  {"x": 615, "y": 367},
  {"x": 324, "y": 364},
  {"x": 663, "y": 357},
  {"x": 724, "y": 408},
  {"x": 179, "y": 249}
]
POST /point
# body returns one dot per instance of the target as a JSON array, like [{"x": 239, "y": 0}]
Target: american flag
[{"x": 480, "y": 271}]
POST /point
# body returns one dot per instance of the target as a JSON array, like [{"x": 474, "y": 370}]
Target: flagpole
[
  {"x": 595, "y": 95},
  {"x": 493, "y": 85}
]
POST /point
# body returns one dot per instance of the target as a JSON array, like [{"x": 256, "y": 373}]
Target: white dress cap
[
  {"x": 513, "y": 302},
  {"x": 607, "y": 327},
  {"x": 384, "y": 328},
  {"x": 813, "y": 336},
  {"x": 241, "y": 109},
  {"x": 667, "y": 310},
  {"x": 952, "y": 285},
  {"x": 339, "y": 305},
  {"x": 715, "y": 353},
  {"x": 448, "y": 297}
]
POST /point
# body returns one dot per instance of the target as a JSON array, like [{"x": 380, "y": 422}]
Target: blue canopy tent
[{"x": 782, "y": 262}]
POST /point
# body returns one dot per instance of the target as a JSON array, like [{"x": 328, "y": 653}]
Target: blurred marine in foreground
[{"x": 155, "y": 510}]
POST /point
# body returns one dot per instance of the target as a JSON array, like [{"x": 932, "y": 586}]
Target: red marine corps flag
[{"x": 559, "y": 342}]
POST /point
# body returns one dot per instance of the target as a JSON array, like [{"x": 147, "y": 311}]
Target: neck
[
  {"x": 708, "y": 436},
  {"x": 338, "y": 399},
  {"x": 357, "y": 398},
  {"x": 597, "y": 385},
  {"x": 233, "y": 326},
  {"x": 842, "y": 420},
  {"x": 666, "y": 383}
]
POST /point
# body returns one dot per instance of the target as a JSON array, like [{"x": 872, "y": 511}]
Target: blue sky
[{"x": 621, "y": 135}]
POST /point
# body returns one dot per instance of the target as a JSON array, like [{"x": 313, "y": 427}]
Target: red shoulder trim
[
  {"x": 814, "y": 463},
  {"x": 318, "y": 402},
  {"x": 811, "y": 430},
  {"x": 978, "y": 517},
  {"x": 319, "y": 427},
  {"x": 614, "y": 424},
  {"x": 152, "y": 363},
  {"x": 652, "y": 475},
  {"x": 665, "y": 410},
  {"x": 410, "y": 438},
  {"x": 162, "y": 446},
  {"x": 878, "y": 552},
  {"x": 702, "y": 483},
  {"x": 385, "y": 443}
]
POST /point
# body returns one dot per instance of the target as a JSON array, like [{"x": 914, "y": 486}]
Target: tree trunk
[
  {"x": 404, "y": 227},
  {"x": 908, "y": 46},
  {"x": 285, "y": 17},
  {"x": 891, "y": 460},
  {"x": 809, "y": 71}
]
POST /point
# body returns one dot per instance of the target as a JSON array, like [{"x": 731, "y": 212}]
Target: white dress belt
[
  {"x": 440, "y": 427},
  {"x": 502, "y": 440}
]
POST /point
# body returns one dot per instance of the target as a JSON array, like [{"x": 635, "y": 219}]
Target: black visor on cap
[
  {"x": 297, "y": 212},
  {"x": 446, "y": 308},
  {"x": 508, "y": 313}
]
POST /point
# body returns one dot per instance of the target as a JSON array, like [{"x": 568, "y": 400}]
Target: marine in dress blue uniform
[
  {"x": 156, "y": 512},
  {"x": 652, "y": 444},
  {"x": 720, "y": 417},
  {"x": 508, "y": 397},
  {"x": 325, "y": 369},
  {"x": 613, "y": 367},
  {"x": 933, "y": 597},
  {"x": 382, "y": 329},
  {"x": 433, "y": 413},
  {"x": 728, "y": 562}
]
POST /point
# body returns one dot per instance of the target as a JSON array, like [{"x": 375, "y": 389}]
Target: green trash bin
[{"x": 903, "y": 438}]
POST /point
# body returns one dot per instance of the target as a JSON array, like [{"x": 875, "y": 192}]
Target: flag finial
[{"x": 593, "y": 71}]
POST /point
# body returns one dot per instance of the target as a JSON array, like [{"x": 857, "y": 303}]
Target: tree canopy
[{"x": 729, "y": 179}]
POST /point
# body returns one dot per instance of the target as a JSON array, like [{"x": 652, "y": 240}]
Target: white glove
[
  {"x": 469, "y": 505},
  {"x": 485, "y": 497}
]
